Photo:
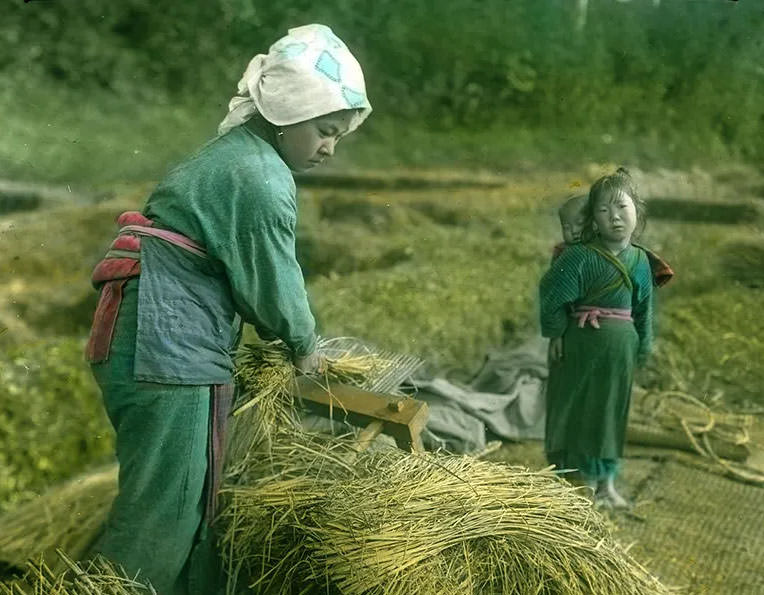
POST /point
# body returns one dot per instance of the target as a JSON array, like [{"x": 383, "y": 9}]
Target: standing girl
[
  {"x": 214, "y": 245},
  {"x": 596, "y": 309}
]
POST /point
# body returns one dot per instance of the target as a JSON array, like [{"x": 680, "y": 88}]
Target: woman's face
[
  {"x": 616, "y": 218},
  {"x": 306, "y": 144}
]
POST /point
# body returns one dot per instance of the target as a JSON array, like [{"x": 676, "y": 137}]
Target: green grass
[
  {"x": 445, "y": 274},
  {"x": 56, "y": 134},
  {"x": 69, "y": 137},
  {"x": 52, "y": 423}
]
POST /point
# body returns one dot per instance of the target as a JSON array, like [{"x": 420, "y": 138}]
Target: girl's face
[
  {"x": 615, "y": 219},
  {"x": 306, "y": 144}
]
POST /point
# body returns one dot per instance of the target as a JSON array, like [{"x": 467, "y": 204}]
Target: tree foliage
[{"x": 689, "y": 68}]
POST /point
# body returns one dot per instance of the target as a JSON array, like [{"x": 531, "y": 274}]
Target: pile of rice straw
[
  {"x": 265, "y": 404},
  {"x": 312, "y": 514},
  {"x": 96, "y": 577},
  {"x": 65, "y": 517},
  {"x": 394, "y": 523}
]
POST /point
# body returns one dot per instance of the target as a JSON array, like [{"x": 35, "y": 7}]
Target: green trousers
[{"x": 156, "y": 526}]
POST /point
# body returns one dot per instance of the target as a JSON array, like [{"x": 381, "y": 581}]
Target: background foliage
[{"x": 501, "y": 82}]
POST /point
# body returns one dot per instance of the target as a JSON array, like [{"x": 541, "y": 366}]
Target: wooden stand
[{"x": 402, "y": 418}]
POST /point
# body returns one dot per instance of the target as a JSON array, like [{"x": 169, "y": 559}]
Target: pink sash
[{"x": 592, "y": 314}]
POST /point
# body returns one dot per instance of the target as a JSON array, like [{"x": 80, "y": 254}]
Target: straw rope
[{"x": 701, "y": 426}]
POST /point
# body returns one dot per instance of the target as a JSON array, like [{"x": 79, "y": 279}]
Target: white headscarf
[{"x": 308, "y": 73}]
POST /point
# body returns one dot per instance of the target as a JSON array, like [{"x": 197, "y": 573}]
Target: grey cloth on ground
[{"x": 506, "y": 396}]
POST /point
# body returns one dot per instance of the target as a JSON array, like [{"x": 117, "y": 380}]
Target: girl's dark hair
[{"x": 608, "y": 188}]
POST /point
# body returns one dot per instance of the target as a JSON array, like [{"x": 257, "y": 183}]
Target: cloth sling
[
  {"x": 660, "y": 269},
  {"x": 592, "y": 314}
]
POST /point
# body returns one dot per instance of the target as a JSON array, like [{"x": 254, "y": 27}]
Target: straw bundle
[
  {"x": 677, "y": 419},
  {"x": 66, "y": 517},
  {"x": 96, "y": 577},
  {"x": 394, "y": 523},
  {"x": 265, "y": 377}
]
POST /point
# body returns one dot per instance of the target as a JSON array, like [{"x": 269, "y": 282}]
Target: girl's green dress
[{"x": 589, "y": 390}]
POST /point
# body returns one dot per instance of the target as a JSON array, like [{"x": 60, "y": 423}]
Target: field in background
[
  {"x": 439, "y": 264},
  {"x": 444, "y": 273}
]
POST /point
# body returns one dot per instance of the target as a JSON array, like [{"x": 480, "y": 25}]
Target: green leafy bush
[
  {"x": 680, "y": 79},
  {"x": 52, "y": 422}
]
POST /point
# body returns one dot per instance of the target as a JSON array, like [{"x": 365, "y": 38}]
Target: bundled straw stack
[
  {"x": 308, "y": 514},
  {"x": 394, "y": 523},
  {"x": 97, "y": 577},
  {"x": 311, "y": 514},
  {"x": 65, "y": 517}
]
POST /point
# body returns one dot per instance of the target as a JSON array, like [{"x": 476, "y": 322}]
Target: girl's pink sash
[{"x": 592, "y": 314}]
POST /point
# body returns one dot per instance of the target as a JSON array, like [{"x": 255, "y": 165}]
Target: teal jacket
[
  {"x": 581, "y": 275},
  {"x": 237, "y": 198}
]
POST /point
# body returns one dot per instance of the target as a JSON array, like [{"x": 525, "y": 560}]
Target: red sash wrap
[
  {"x": 121, "y": 263},
  {"x": 592, "y": 314}
]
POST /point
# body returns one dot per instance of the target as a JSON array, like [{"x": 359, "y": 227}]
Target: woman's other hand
[
  {"x": 555, "y": 350},
  {"x": 315, "y": 363}
]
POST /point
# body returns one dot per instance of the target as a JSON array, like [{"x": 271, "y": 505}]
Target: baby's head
[{"x": 573, "y": 218}]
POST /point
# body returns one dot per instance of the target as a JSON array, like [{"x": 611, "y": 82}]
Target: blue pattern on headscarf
[
  {"x": 293, "y": 50},
  {"x": 329, "y": 66},
  {"x": 354, "y": 98}
]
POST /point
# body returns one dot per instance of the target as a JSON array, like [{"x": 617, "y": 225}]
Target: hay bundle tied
[
  {"x": 265, "y": 377},
  {"x": 394, "y": 523},
  {"x": 306, "y": 513},
  {"x": 96, "y": 577},
  {"x": 676, "y": 419}
]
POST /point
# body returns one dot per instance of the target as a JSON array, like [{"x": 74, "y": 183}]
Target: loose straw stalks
[
  {"x": 395, "y": 523},
  {"x": 96, "y": 577},
  {"x": 66, "y": 517},
  {"x": 266, "y": 404}
]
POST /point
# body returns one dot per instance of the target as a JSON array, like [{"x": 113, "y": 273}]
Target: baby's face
[{"x": 572, "y": 222}]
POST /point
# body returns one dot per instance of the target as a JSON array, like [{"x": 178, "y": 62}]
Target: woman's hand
[
  {"x": 315, "y": 363},
  {"x": 555, "y": 350}
]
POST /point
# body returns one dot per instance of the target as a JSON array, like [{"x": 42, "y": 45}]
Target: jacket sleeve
[
  {"x": 259, "y": 259},
  {"x": 560, "y": 287},
  {"x": 642, "y": 309}
]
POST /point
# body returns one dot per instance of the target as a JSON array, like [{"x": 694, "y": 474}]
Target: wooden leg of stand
[{"x": 368, "y": 434}]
